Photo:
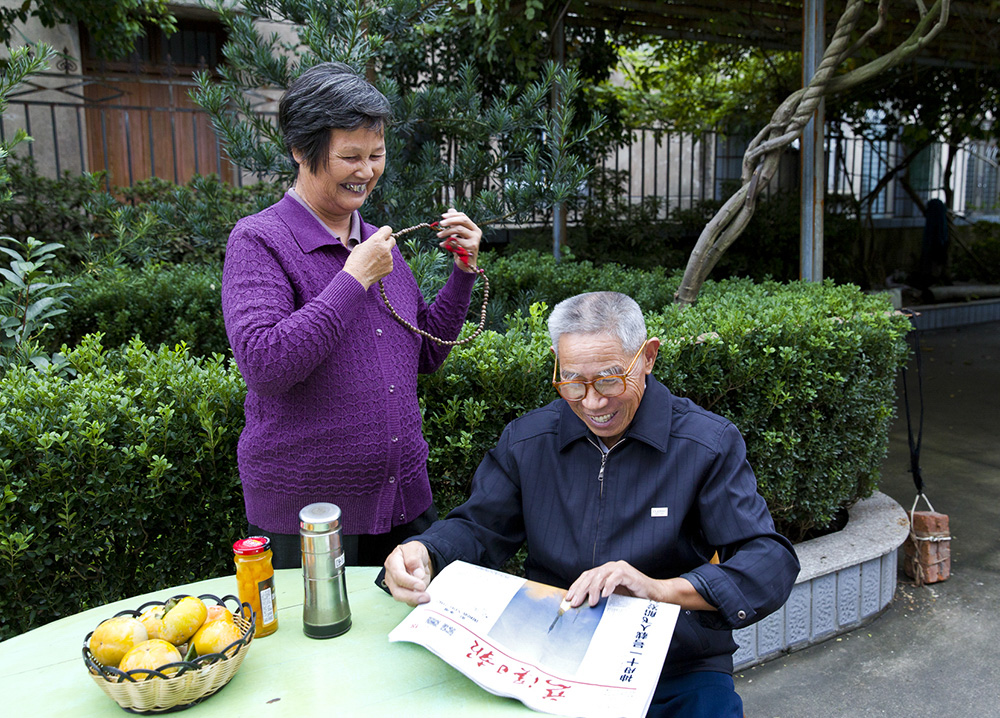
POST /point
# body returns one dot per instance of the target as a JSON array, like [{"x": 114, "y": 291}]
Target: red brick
[{"x": 928, "y": 561}]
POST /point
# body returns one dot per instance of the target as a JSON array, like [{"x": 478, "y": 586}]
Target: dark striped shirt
[{"x": 673, "y": 491}]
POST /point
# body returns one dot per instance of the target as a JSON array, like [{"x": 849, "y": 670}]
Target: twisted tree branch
[{"x": 760, "y": 162}]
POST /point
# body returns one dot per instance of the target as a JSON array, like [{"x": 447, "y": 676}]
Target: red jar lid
[{"x": 250, "y": 546}]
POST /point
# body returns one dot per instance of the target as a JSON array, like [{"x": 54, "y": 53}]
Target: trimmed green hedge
[
  {"x": 805, "y": 371},
  {"x": 116, "y": 483},
  {"x": 124, "y": 479},
  {"x": 160, "y": 304},
  {"x": 523, "y": 278}
]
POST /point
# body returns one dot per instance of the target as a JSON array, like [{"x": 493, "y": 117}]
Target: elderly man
[{"x": 620, "y": 486}]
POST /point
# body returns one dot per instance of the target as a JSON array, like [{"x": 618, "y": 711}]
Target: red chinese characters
[{"x": 484, "y": 655}]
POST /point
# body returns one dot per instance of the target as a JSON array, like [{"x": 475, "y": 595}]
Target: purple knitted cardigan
[{"x": 331, "y": 408}]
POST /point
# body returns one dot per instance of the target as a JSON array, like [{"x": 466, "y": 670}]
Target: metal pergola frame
[{"x": 971, "y": 38}]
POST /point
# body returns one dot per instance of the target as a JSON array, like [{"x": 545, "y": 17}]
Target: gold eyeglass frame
[{"x": 593, "y": 382}]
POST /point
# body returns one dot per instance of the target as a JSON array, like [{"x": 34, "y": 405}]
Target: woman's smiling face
[{"x": 355, "y": 163}]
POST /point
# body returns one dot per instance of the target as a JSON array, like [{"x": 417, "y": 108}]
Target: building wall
[
  {"x": 51, "y": 127},
  {"x": 51, "y": 108}
]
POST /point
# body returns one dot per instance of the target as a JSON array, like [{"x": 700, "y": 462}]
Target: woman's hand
[
  {"x": 622, "y": 578},
  {"x": 459, "y": 231},
  {"x": 371, "y": 260}
]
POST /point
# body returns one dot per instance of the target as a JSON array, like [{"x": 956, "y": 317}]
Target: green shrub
[
  {"x": 116, "y": 483},
  {"x": 194, "y": 220},
  {"x": 482, "y": 386},
  {"x": 161, "y": 304},
  {"x": 154, "y": 220},
  {"x": 520, "y": 279},
  {"x": 975, "y": 253},
  {"x": 52, "y": 210},
  {"x": 805, "y": 371},
  {"x": 28, "y": 300},
  {"x": 174, "y": 303},
  {"x": 125, "y": 479},
  {"x": 614, "y": 230}
]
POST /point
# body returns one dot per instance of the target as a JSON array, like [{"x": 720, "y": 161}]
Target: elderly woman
[{"x": 331, "y": 408}]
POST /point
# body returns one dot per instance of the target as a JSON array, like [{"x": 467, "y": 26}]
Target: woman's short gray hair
[
  {"x": 609, "y": 313},
  {"x": 328, "y": 96}
]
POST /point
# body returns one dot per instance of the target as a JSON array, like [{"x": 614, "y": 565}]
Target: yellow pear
[
  {"x": 115, "y": 637},
  {"x": 215, "y": 636},
  {"x": 218, "y": 612},
  {"x": 151, "y": 655},
  {"x": 152, "y": 619},
  {"x": 182, "y": 619}
]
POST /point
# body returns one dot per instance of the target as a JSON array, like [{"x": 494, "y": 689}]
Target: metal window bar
[
  {"x": 194, "y": 135},
  {"x": 152, "y": 145},
  {"x": 79, "y": 136},
  {"x": 104, "y": 149},
  {"x": 55, "y": 140},
  {"x": 128, "y": 149},
  {"x": 27, "y": 128}
]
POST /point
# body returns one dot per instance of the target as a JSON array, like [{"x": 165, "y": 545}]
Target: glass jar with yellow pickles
[{"x": 255, "y": 580}]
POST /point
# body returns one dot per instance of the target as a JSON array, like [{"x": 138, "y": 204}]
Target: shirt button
[
  {"x": 741, "y": 615},
  {"x": 392, "y": 479},
  {"x": 378, "y": 332}
]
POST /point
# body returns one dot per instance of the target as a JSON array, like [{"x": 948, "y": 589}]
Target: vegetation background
[{"x": 120, "y": 405}]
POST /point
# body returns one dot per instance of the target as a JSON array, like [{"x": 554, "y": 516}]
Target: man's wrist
[{"x": 682, "y": 592}]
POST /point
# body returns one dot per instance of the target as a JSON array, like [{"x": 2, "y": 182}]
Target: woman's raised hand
[
  {"x": 371, "y": 260},
  {"x": 461, "y": 233}
]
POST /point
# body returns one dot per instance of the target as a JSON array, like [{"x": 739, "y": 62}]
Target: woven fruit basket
[{"x": 179, "y": 685}]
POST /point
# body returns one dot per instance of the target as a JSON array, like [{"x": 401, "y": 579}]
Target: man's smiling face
[{"x": 590, "y": 356}]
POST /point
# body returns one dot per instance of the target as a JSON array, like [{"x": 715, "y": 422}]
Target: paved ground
[{"x": 935, "y": 651}]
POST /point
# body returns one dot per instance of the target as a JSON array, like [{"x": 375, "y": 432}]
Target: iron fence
[
  {"x": 147, "y": 126},
  {"x": 132, "y": 127}
]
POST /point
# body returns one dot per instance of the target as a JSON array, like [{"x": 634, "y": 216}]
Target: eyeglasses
[{"x": 608, "y": 385}]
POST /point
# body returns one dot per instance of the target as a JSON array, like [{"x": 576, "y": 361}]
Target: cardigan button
[
  {"x": 392, "y": 479},
  {"x": 378, "y": 332},
  {"x": 392, "y": 388}
]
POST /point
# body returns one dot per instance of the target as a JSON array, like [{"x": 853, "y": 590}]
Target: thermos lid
[{"x": 319, "y": 517}]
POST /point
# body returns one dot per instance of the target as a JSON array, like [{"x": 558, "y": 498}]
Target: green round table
[{"x": 359, "y": 674}]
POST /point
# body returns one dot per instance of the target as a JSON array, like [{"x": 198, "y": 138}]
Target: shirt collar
[
  {"x": 651, "y": 423},
  {"x": 308, "y": 241}
]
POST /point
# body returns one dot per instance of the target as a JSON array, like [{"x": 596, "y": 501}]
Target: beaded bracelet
[{"x": 463, "y": 254}]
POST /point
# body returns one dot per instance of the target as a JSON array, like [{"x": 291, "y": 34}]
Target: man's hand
[
  {"x": 622, "y": 578},
  {"x": 408, "y": 572}
]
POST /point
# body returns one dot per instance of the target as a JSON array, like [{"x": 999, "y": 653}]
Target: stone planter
[{"x": 846, "y": 579}]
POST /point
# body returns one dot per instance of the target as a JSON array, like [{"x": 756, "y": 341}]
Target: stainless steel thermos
[{"x": 325, "y": 610}]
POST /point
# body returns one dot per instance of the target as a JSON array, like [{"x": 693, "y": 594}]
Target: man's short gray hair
[
  {"x": 610, "y": 313},
  {"x": 328, "y": 96}
]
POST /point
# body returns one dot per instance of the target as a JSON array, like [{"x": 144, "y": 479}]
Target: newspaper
[{"x": 518, "y": 638}]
